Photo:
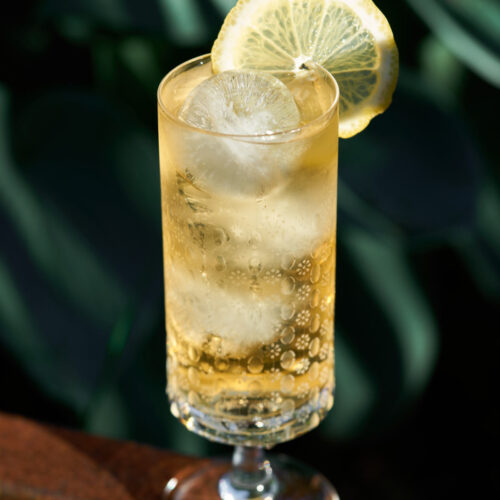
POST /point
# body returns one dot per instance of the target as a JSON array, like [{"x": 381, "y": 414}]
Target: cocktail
[{"x": 248, "y": 154}]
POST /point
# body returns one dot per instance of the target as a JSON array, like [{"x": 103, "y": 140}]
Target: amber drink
[{"x": 249, "y": 197}]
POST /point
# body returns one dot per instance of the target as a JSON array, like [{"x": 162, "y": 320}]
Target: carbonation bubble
[
  {"x": 287, "y": 335},
  {"x": 314, "y": 347},
  {"x": 315, "y": 324},
  {"x": 255, "y": 365},
  {"x": 287, "y": 383},
  {"x": 287, "y": 311},
  {"x": 315, "y": 273},
  {"x": 287, "y": 285},
  {"x": 287, "y": 359}
]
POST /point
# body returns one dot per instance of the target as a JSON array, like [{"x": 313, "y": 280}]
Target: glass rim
[{"x": 266, "y": 136}]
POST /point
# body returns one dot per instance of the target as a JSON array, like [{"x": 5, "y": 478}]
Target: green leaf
[
  {"x": 386, "y": 335},
  {"x": 19, "y": 335},
  {"x": 224, "y": 6},
  {"x": 140, "y": 185},
  {"x": 114, "y": 13},
  {"x": 472, "y": 51},
  {"x": 442, "y": 71},
  {"x": 108, "y": 416},
  {"x": 414, "y": 171},
  {"x": 386, "y": 270},
  {"x": 355, "y": 394},
  {"x": 480, "y": 249},
  {"x": 483, "y": 14},
  {"x": 184, "y": 21},
  {"x": 53, "y": 244},
  {"x": 139, "y": 58}
]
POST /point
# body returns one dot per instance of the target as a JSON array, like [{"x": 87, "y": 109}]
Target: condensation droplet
[
  {"x": 287, "y": 311},
  {"x": 287, "y": 262},
  {"x": 287, "y": 383},
  {"x": 315, "y": 273},
  {"x": 287, "y": 335},
  {"x": 287, "y": 359},
  {"x": 254, "y": 265},
  {"x": 193, "y": 354},
  {"x": 287, "y": 408},
  {"x": 315, "y": 324},
  {"x": 315, "y": 298},
  {"x": 255, "y": 365},
  {"x": 314, "y": 347},
  {"x": 287, "y": 285}
]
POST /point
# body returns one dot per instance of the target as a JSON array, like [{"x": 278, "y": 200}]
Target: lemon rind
[{"x": 241, "y": 15}]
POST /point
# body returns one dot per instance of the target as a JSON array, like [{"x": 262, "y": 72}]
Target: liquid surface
[{"x": 250, "y": 273}]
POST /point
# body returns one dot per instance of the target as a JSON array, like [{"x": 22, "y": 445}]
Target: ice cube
[
  {"x": 202, "y": 309},
  {"x": 242, "y": 104},
  {"x": 292, "y": 221}
]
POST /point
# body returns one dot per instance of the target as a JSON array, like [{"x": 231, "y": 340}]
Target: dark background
[{"x": 418, "y": 276}]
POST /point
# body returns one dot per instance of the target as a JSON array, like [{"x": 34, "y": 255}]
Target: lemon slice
[{"x": 350, "y": 38}]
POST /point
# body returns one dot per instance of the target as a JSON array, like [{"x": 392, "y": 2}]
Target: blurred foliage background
[{"x": 418, "y": 284}]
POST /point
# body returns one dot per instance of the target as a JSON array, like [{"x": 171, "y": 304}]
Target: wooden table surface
[{"x": 42, "y": 462}]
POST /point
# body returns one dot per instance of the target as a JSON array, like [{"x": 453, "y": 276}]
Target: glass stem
[{"x": 251, "y": 476}]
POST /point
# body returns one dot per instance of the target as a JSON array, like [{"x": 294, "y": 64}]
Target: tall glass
[{"x": 250, "y": 279}]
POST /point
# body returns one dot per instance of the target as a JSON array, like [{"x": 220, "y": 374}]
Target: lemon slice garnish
[{"x": 350, "y": 38}]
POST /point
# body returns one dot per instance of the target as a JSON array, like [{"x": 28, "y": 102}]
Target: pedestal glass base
[{"x": 291, "y": 480}]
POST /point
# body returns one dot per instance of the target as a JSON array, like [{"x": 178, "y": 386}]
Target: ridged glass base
[{"x": 255, "y": 430}]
